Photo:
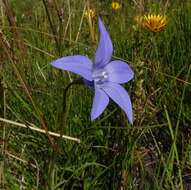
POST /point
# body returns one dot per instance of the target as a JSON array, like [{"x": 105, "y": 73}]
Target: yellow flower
[
  {"x": 152, "y": 22},
  {"x": 115, "y": 5},
  {"x": 90, "y": 13}
]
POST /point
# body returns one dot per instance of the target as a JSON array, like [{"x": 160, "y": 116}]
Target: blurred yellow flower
[
  {"x": 90, "y": 13},
  {"x": 115, "y": 5},
  {"x": 152, "y": 22}
]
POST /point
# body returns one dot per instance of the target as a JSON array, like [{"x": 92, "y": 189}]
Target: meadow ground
[{"x": 153, "y": 153}]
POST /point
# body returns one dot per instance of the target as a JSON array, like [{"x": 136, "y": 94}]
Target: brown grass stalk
[
  {"x": 5, "y": 45},
  {"x": 12, "y": 22}
]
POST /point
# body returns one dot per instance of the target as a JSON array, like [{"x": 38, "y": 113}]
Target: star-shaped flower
[{"x": 104, "y": 75}]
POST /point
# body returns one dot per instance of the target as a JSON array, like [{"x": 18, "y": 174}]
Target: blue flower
[{"x": 105, "y": 75}]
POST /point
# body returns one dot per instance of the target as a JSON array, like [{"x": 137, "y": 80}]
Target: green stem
[{"x": 63, "y": 112}]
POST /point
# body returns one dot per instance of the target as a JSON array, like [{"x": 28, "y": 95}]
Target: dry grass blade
[{"x": 34, "y": 128}]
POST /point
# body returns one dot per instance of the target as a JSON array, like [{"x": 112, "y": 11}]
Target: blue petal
[
  {"x": 78, "y": 64},
  {"x": 119, "y": 95},
  {"x": 105, "y": 48},
  {"x": 119, "y": 72},
  {"x": 100, "y": 102}
]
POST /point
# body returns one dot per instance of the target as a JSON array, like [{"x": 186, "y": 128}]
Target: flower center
[{"x": 100, "y": 76}]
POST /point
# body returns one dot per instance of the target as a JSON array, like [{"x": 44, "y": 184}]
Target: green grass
[{"x": 155, "y": 153}]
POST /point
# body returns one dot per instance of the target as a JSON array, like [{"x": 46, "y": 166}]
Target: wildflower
[
  {"x": 154, "y": 23},
  {"x": 103, "y": 75},
  {"x": 115, "y": 5},
  {"x": 90, "y": 13}
]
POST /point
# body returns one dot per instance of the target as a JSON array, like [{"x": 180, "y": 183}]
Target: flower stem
[{"x": 65, "y": 91}]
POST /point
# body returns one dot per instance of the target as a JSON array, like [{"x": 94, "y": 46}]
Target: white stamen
[{"x": 100, "y": 76}]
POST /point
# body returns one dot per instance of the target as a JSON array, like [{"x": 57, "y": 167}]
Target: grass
[{"x": 112, "y": 154}]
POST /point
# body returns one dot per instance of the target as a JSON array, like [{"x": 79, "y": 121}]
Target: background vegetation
[{"x": 155, "y": 153}]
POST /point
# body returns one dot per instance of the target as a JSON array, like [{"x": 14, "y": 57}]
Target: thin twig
[{"x": 34, "y": 128}]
